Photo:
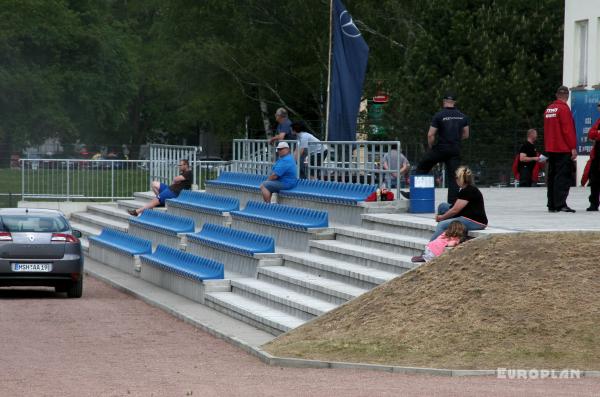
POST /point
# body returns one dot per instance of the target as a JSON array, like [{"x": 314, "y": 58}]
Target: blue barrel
[{"x": 422, "y": 194}]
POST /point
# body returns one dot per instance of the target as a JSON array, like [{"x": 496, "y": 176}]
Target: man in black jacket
[{"x": 450, "y": 126}]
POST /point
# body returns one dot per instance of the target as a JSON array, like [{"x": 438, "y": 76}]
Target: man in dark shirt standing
[
  {"x": 451, "y": 127},
  {"x": 527, "y": 158},
  {"x": 183, "y": 181},
  {"x": 560, "y": 141}
]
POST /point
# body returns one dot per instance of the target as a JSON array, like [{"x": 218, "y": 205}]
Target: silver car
[{"x": 38, "y": 247}]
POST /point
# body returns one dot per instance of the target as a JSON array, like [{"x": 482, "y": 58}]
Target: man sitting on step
[{"x": 163, "y": 192}]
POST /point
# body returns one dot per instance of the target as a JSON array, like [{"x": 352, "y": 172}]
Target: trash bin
[{"x": 422, "y": 194}]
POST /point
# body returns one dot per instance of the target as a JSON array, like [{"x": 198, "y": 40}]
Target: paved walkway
[
  {"x": 111, "y": 344},
  {"x": 525, "y": 209}
]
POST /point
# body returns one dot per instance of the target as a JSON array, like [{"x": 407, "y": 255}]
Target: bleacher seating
[
  {"x": 204, "y": 202},
  {"x": 184, "y": 264},
  {"x": 163, "y": 222},
  {"x": 236, "y": 241},
  {"x": 122, "y": 242},
  {"x": 331, "y": 192},
  {"x": 283, "y": 216},
  {"x": 324, "y": 191},
  {"x": 238, "y": 181}
]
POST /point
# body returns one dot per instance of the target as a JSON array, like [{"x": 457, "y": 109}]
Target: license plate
[{"x": 31, "y": 267}]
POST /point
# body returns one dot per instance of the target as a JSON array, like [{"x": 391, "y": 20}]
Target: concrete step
[
  {"x": 86, "y": 229},
  {"x": 110, "y": 211},
  {"x": 278, "y": 297},
  {"x": 390, "y": 242},
  {"x": 99, "y": 221},
  {"x": 400, "y": 224},
  {"x": 252, "y": 312},
  {"x": 322, "y": 266},
  {"x": 134, "y": 204},
  {"x": 144, "y": 196},
  {"x": 364, "y": 256},
  {"x": 323, "y": 288}
]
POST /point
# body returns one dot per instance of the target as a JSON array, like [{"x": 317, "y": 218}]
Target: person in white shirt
[{"x": 307, "y": 151}]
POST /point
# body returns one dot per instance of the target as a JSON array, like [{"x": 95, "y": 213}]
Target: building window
[{"x": 581, "y": 52}]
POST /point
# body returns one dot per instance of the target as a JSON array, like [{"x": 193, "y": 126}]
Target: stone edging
[{"x": 269, "y": 359}]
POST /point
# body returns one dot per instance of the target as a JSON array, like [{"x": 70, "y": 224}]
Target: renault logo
[
  {"x": 348, "y": 26},
  {"x": 31, "y": 237}
]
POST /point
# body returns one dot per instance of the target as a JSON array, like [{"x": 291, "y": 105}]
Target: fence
[
  {"x": 344, "y": 161},
  {"x": 255, "y": 156},
  {"x": 165, "y": 158},
  {"x": 74, "y": 179}
]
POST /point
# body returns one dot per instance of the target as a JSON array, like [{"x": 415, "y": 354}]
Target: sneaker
[
  {"x": 416, "y": 259},
  {"x": 132, "y": 212},
  {"x": 404, "y": 194},
  {"x": 590, "y": 208}
]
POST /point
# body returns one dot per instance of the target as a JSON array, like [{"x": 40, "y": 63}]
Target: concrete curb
[{"x": 290, "y": 362}]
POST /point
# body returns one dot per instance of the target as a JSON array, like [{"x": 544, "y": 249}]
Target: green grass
[{"x": 78, "y": 183}]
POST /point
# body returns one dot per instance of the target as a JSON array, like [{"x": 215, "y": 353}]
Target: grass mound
[{"x": 529, "y": 300}]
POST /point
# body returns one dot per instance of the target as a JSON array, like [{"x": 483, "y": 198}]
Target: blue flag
[{"x": 349, "y": 65}]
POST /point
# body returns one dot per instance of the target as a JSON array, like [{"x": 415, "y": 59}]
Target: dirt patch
[{"x": 527, "y": 300}]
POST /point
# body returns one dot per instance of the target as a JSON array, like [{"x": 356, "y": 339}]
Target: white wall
[
  {"x": 580, "y": 10},
  {"x": 575, "y": 11}
]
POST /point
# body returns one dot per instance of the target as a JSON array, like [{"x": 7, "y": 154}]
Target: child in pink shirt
[{"x": 450, "y": 238}]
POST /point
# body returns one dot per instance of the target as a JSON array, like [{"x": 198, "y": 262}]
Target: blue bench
[
  {"x": 238, "y": 181},
  {"x": 123, "y": 242},
  {"x": 184, "y": 264},
  {"x": 237, "y": 241},
  {"x": 283, "y": 216},
  {"x": 164, "y": 223},
  {"x": 331, "y": 192},
  {"x": 204, "y": 202}
]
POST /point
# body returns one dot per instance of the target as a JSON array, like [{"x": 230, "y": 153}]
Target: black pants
[
  {"x": 525, "y": 175},
  {"x": 451, "y": 158},
  {"x": 595, "y": 182},
  {"x": 560, "y": 169}
]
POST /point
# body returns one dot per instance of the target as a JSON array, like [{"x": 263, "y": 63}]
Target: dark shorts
[
  {"x": 164, "y": 193},
  {"x": 274, "y": 186}
]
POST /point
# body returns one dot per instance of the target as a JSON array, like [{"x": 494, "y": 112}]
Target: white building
[{"x": 581, "y": 68}]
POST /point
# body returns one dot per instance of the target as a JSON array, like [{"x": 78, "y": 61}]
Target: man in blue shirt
[{"x": 284, "y": 174}]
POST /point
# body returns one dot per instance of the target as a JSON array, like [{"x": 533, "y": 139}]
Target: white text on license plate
[{"x": 31, "y": 267}]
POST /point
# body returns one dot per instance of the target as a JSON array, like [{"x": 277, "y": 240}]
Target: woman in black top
[{"x": 468, "y": 209}]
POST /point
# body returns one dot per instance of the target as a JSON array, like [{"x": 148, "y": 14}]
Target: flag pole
[{"x": 329, "y": 70}]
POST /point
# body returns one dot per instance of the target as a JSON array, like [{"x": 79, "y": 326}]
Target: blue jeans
[{"x": 443, "y": 225}]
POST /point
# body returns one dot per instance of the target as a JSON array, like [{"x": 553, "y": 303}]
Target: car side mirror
[{"x": 77, "y": 233}]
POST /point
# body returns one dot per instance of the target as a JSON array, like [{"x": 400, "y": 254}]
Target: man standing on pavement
[
  {"x": 560, "y": 141},
  {"x": 528, "y": 158},
  {"x": 594, "y": 173},
  {"x": 450, "y": 126},
  {"x": 284, "y": 175}
]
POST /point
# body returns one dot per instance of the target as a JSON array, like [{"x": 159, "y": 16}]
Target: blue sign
[
  {"x": 349, "y": 66},
  {"x": 585, "y": 112}
]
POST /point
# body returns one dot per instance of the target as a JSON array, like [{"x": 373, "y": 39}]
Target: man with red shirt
[
  {"x": 560, "y": 142},
  {"x": 594, "y": 173}
]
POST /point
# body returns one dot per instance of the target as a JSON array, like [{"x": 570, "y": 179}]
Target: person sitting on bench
[{"x": 183, "y": 181}]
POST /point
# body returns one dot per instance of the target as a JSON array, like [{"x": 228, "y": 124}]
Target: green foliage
[{"x": 137, "y": 70}]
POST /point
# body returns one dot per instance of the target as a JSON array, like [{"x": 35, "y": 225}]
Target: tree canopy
[{"x": 132, "y": 71}]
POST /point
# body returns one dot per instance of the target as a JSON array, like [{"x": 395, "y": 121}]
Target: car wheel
[{"x": 76, "y": 288}]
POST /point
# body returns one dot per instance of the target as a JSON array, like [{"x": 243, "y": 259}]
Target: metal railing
[
  {"x": 356, "y": 162},
  {"x": 208, "y": 170},
  {"x": 165, "y": 158},
  {"x": 345, "y": 161},
  {"x": 255, "y": 156},
  {"x": 78, "y": 179}
]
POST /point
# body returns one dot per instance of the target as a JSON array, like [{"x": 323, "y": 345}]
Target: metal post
[
  {"x": 22, "y": 180},
  {"x": 112, "y": 180},
  {"x": 68, "y": 182}
]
